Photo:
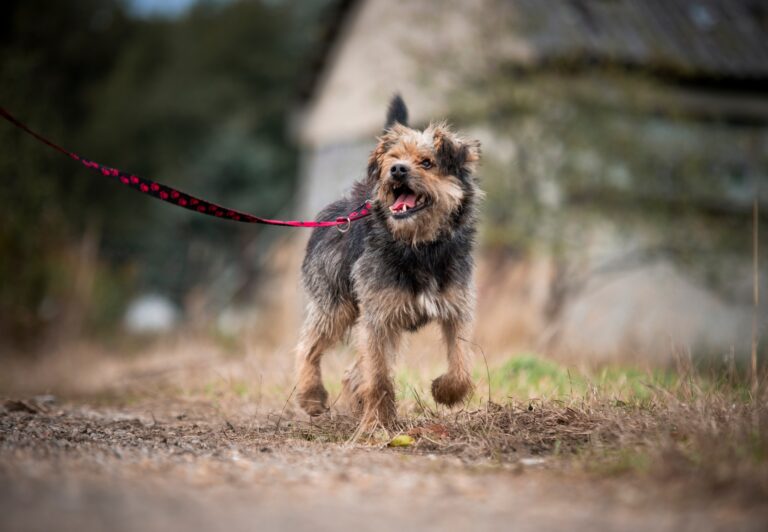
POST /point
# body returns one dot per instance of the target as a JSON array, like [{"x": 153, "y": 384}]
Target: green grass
[{"x": 530, "y": 376}]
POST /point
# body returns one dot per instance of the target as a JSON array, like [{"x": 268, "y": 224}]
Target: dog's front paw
[
  {"x": 314, "y": 400},
  {"x": 450, "y": 389}
]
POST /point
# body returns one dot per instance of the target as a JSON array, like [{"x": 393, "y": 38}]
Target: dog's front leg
[
  {"x": 379, "y": 391},
  {"x": 454, "y": 385}
]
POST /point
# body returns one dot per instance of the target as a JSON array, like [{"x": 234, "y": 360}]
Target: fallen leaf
[{"x": 401, "y": 440}]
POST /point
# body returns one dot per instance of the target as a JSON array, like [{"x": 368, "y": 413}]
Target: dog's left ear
[{"x": 455, "y": 155}]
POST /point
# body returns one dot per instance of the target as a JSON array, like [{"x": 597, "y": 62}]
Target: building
[{"x": 625, "y": 144}]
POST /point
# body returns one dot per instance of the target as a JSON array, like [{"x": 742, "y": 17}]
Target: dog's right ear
[
  {"x": 374, "y": 162},
  {"x": 397, "y": 112},
  {"x": 383, "y": 144}
]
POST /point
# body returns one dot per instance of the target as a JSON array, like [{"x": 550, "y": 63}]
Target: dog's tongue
[{"x": 404, "y": 200}]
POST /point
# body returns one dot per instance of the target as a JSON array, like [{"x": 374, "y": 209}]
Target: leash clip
[{"x": 344, "y": 228}]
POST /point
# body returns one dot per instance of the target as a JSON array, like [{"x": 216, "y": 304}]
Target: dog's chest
[
  {"x": 429, "y": 304},
  {"x": 411, "y": 287},
  {"x": 418, "y": 309}
]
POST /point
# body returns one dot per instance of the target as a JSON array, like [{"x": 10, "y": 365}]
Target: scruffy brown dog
[{"x": 407, "y": 264}]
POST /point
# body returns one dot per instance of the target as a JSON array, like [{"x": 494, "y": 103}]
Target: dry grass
[{"x": 704, "y": 431}]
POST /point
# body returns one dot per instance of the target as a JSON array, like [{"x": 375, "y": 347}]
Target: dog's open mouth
[{"x": 406, "y": 203}]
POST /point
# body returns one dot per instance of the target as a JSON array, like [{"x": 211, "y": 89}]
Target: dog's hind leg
[
  {"x": 352, "y": 383},
  {"x": 322, "y": 329},
  {"x": 454, "y": 385}
]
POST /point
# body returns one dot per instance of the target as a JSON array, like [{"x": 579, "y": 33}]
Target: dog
[{"x": 407, "y": 264}]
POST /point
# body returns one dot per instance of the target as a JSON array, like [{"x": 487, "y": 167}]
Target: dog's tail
[{"x": 397, "y": 112}]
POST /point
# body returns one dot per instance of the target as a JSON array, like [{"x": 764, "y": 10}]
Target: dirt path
[{"x": 187, "y": 466}]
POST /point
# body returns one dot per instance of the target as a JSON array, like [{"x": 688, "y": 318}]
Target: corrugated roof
[
  {"x": 721, "y": 38},
  {"x": 375, "y": 53},
  {"x": 713, "y": 38}
]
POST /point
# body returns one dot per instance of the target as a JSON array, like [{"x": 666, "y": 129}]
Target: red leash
[{"x": 182, "y": 199}]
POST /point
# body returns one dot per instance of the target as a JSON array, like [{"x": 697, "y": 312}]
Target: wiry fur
[{"x": 391, "y": 274}]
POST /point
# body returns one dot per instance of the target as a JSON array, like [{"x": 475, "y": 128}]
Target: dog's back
[{"x": 330, "y": 254}]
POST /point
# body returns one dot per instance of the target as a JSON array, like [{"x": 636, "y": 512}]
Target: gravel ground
[{"x": 179, "y": 465}]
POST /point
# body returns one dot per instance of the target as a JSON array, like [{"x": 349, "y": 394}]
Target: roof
[
  {"x": 718, "y": 38},
  {"x": 420, "y": 47}
]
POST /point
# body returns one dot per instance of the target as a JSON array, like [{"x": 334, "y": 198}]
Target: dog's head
[{"x": 422, "y": 180}]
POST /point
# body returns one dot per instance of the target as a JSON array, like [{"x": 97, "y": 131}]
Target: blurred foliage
[
  {"x": 202, "y": 102},
  {"x": 614, "y": 137},
  {"x": 614, "y": 159}
]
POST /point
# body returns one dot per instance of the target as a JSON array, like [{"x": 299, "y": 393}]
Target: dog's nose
[{"x": 399, "y": 171}]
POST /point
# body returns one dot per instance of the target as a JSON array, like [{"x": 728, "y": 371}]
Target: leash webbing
[{"x": 182, "y": 199}]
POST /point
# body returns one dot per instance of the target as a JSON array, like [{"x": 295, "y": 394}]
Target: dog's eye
[{"x": 426, "y": 164}]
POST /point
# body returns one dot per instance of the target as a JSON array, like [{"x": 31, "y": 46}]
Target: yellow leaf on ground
[{"x": 401, "y": 440}]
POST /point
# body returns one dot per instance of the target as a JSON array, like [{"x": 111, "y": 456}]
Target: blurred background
[{"x": 625, "y": 149}]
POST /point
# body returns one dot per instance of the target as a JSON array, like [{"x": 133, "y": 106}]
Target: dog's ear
[
  {"x": 372, "y": 174},
  {"x": 374, "y": 162},
  {"x": 397, "y": 112},
  {"x": 383, "y": 144},
  {"x": 455, "y": 155}
]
